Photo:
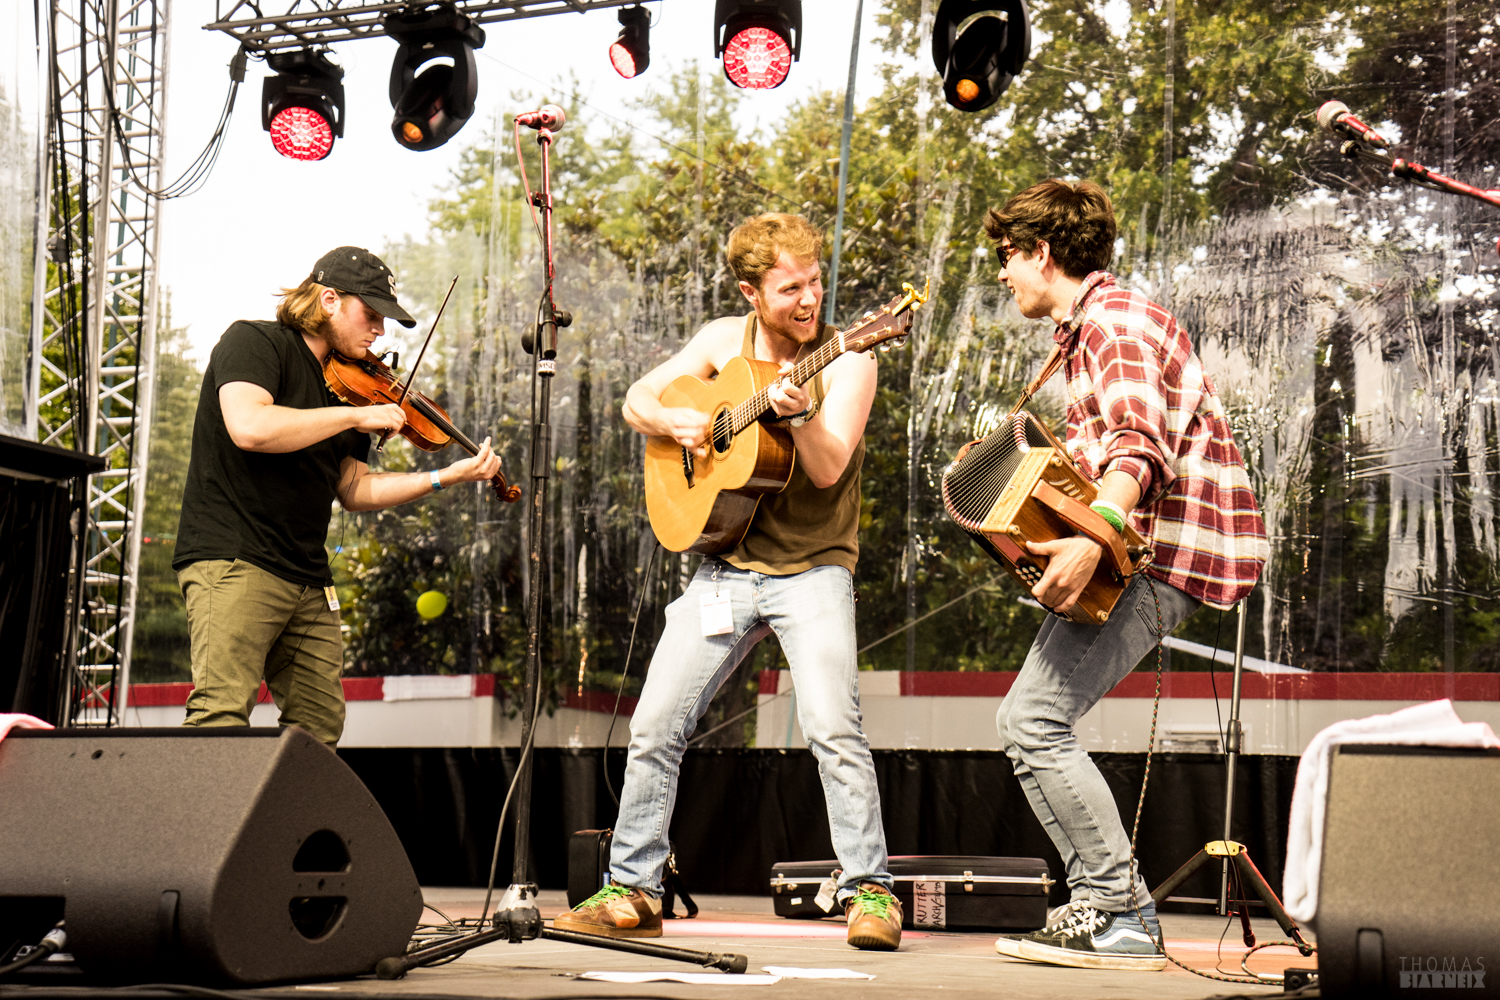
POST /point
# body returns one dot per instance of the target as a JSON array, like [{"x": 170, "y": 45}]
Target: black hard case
[
  {"x": 937, "y": 892},
  {"x": 588, "y": 870},
  {"x": 588, "y": 863}
]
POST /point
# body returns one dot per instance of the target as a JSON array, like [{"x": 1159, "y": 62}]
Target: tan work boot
[
  {"x": 874, "y": 917},
  {"x": 616, "y": 912}
]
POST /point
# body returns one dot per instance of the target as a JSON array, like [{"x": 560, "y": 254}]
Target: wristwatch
[{"x": 798, "y": 419}]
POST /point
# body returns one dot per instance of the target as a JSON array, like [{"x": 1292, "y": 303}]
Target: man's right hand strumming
[
  {"x": 686, "y": 426},
  {"x": 644, "y": 413}
]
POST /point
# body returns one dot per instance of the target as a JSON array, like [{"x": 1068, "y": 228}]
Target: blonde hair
[
  {"x": 757, "y": 244},
  {"x": 301, "y": 308}
]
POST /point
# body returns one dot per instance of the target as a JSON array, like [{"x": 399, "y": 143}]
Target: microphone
[
  {"x": 549, "y": 117},
  {"x": 1335, "y": 116}
]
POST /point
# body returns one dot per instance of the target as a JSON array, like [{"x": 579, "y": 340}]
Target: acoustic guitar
[{"x": 705, "y": 504}]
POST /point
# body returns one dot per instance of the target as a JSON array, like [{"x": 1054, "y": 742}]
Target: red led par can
[
  {"x": 302, "y": 106},
  {"x": 757, "y": 59},
  {"x": 300, "y": 133},
  {"x": 758, "y": 40},
  {"x": 630, "y": 54}
]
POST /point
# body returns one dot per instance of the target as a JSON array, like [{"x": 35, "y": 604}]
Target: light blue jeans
[
  {"x": 1068, "y": 670},
  {"x": 812, "y": 615}
]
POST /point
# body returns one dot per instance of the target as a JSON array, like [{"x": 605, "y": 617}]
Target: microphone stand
[
  {"x": 1410, "y": 170},
  {"x": 516, "y": 918},
  {"x": 542, "y": 346},
  {"x": 1236, "y": 867}
]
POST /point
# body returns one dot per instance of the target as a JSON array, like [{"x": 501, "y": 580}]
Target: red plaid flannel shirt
[{"x": 1140, "y": 402}]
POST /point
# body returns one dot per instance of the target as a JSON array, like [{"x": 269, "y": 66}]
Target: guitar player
[
  {"x": 1146, "y": 425},
  {"x": 792, "y": 575}
]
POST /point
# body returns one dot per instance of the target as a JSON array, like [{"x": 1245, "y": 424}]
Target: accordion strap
[
  {"x": 1087, "y": 522},
  {"x": 1054, "y": 362}
]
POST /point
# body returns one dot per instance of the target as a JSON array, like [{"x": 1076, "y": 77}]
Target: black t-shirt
[{"x": 270, "y": 510}]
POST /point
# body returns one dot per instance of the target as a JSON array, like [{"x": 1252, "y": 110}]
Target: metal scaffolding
[
  {"x": 95, "y": 331},
  {"x": 319, "y": 23}
]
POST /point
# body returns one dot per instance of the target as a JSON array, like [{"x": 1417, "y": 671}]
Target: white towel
[
  {"x": 9, "y": 721},
  {"x": 1434, "y": 724}
]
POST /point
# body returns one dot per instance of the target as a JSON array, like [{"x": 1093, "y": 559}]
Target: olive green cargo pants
[{"x": 246, "y": 624}]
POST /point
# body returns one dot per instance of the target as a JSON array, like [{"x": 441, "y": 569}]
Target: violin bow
[{"x": 412, "y": 375}]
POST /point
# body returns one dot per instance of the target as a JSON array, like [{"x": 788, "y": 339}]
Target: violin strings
[{"x": 422, "y": 405}]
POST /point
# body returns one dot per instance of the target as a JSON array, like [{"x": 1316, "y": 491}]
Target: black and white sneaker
[
  {"x": 1085, "y": 938},
  {"x": 1010, "y": 944}
]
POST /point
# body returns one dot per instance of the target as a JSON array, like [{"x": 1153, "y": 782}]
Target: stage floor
[{"x": 960, "y": 965}]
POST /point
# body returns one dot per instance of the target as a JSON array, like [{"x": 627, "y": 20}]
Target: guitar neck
[{"x": 754, "y": 408}]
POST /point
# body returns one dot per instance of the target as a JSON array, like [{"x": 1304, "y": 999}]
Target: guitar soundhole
[{"x": 723, "y": 433}]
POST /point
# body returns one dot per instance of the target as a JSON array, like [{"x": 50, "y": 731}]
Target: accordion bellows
[{"x": 1017, "y": 485}]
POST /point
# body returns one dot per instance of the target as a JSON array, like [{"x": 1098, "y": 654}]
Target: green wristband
[{"x": 1110, "y": 514}]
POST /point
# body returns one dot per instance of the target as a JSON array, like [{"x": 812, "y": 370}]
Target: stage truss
[
  {"x": 319, "y": 23},
  {"x": 96, "y": 284}
]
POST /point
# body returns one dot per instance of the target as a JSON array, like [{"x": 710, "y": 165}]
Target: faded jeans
[
  {"x": 812, "y": 615},
  {"x": 1069, "y": 669}
]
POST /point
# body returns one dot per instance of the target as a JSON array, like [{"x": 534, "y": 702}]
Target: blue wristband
[{"x": 437, "y": 483}]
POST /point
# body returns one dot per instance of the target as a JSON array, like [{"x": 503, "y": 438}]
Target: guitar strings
[{"x": 753, "y": 408}]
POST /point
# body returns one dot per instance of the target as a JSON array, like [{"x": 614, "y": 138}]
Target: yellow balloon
[{"x": 432, "y": 604}]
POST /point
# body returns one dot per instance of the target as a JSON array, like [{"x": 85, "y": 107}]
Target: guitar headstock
[{"x": 888, "y": 326}]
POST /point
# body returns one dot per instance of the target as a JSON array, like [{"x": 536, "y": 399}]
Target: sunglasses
[{"x": 1004, "y": 253}]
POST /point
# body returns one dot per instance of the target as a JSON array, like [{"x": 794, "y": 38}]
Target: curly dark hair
[{"x": 1076, "y": 220}]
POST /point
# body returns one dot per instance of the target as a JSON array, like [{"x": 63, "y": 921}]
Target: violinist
[{"x": 272, "y": 449}]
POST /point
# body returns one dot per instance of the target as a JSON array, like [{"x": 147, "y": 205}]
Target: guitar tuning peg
[{"x": 885, "y": 348}]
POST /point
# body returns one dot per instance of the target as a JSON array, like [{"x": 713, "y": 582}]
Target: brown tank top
[{"x": 803, "y": 526}]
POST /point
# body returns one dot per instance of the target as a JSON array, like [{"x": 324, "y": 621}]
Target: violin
[{"x": 368, "y": 381}]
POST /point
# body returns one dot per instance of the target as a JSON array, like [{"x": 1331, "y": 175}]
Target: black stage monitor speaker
[
  {"x": 1409, "y": 899},
  {"x": 199, "y": 855}
]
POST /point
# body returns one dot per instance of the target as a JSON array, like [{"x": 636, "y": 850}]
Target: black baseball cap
[{"x": 359, "y": 272}]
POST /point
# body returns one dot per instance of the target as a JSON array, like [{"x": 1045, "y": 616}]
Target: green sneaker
[
  {"x": 614, "y": 911},
  {"x": 874, "y": 917}
]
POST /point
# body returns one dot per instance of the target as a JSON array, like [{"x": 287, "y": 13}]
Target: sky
[{"x": 262, "y": 220}]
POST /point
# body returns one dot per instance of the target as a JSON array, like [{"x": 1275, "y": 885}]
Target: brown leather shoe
[
  {"x": 874, "y": 917},
  {"x": 616, "y": 912}
]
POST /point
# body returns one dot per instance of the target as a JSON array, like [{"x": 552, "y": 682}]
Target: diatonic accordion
[{"x": 1017, "y": 485}]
